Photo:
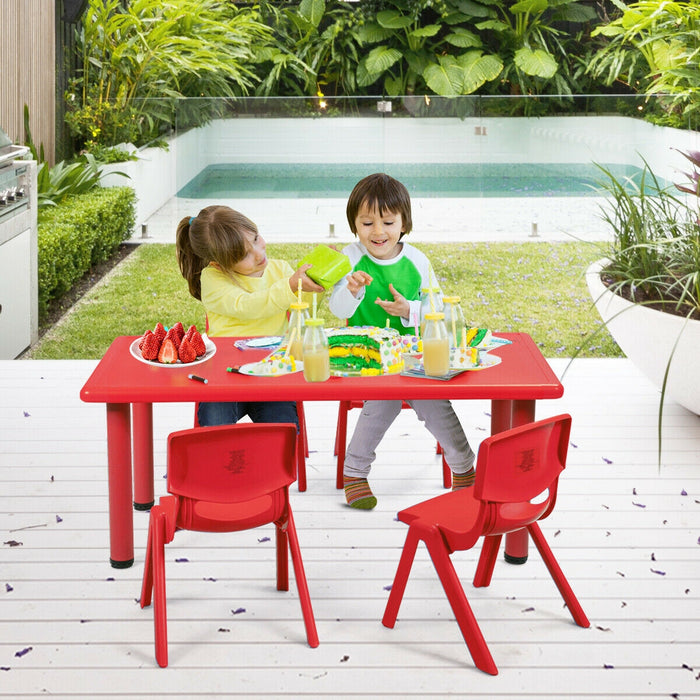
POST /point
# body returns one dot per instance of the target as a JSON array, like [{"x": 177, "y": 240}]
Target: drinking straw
[
  {"x": 292, "y": 336},
  {"x": 464, "y": 338},
  {"x": 454, "y": 328},
  {"x": 430, "y": 290},
  {"x": 314, "y": 306}
]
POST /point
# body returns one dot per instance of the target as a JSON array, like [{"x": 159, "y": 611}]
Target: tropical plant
[
  {"x": 136, "y": 59},
  {"x": 653, "y": 47}
]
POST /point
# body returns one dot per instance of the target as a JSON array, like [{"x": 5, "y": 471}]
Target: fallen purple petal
[
  {"x": 608, "y": 666},
  {"x": 209, "y": 579},
  {"x": 19, "y": 654},
  {"x": 688, "y": 668},
  {"x": 558, "y": 532},
  {"x": 602, "y": 629},
  {"x": 238, "y": 611},
  {"x": 624, "y": 605},
  {"x": 344, "y": 659},
  {"x": 634, "y": 492},
  {"x": 13, "y": 543},
  {"x": 180, "y": 560},
  {"x": 8, "y": 588},
  {"x": 387, "y": 588},
  {"x": 4, "y": 668},
  {"x": 26, "y": 414},
  {"x": 264, "y": 539},
  {"x": 607, "y": 461},
  {"x": 653, "y": 556},
  {"x": 619, "y": 573},
  {"x": 528, "y": 610},
  {"x": 82, "y": 622},
  {"x": 684, "y": 492},
  {"x": 59, "y": 519},
  {"x": 656, "y": 571},
  {"x": 573, "y": 445},
  {"x": 224, "y": 629},
  {"x": 639, "y": 505},
  {"x": 606, "y": 507}
]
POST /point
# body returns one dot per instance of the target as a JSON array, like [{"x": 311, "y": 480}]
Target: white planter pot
[{"x": 647, "y": 337}]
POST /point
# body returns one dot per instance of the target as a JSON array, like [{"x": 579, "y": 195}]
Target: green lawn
[{"x": 534, "y": 287}]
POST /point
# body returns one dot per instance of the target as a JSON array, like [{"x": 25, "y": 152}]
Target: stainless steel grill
[{"x": 18, "y": 250}]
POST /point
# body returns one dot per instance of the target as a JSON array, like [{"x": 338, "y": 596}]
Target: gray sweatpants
[{"x": 377, "y": 416}]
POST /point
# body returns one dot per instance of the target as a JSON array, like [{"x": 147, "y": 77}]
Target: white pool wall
[{"x": 159, "y": 174}]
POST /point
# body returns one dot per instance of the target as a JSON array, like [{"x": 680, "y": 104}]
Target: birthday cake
[
  {"x": 478, "y": 337},
  {"x": 368, "y": 350}
]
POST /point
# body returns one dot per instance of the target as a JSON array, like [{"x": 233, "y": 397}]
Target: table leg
[
  {"x": 142, "y": 419},
  {"x": 505, "y": 415},
  {"x": 121, "y": 519}
]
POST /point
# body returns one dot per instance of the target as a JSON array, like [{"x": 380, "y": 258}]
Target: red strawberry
[
  {"x": 186, "y": 352},
  {"x": 174, "y": 337},
  {"x": 150, "y": 345},
  {"x": 179, "y": 329},
  {"x": 159, "y": 332},
  {"x": 192, "y": 329},
  {"x": 197, "y": 343},
  {"x": 168, "y": 352}
]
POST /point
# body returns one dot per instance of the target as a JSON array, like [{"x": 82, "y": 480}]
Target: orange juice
[
  {"x": 317, "y": 365},
  {"x": 436, "y": 356}
]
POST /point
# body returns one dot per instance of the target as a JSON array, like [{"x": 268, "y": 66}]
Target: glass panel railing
[{"x": 505, "y": 167}]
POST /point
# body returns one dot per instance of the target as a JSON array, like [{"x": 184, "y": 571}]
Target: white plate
[
  {"x": 267, "y": 342},
  {"x": 253, "y": 369},
  {"x": 485, "y": 361},
  {"x": 211, "y": 350}
]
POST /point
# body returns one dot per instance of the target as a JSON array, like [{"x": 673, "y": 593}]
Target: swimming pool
[{"x": 434, "y": 180}]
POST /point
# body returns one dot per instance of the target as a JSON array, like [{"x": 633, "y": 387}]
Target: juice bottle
[
  {"x": 436, "y": 345},
  {"x": 294, "y": 335},
  {"x": 317, "y": 366},
  {"x": 454, "y": 319}
]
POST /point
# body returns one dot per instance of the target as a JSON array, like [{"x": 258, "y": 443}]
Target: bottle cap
[
  {"x": 450, "y": 300},
  {"x": 299, "y": 306},
  {"x": 434, "y": 316},
  {"x": 316, "y": 321}
]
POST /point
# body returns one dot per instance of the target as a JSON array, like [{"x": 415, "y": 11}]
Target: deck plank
[{"x": 626, "y": 532}]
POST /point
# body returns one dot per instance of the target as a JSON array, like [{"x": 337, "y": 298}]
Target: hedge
[{"x": 81, "y": 232}]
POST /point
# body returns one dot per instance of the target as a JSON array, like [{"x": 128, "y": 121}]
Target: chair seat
[{"x": 205, "y": 516}]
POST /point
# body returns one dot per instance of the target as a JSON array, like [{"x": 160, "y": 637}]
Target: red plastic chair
[
  {"x": 302, "y": 448},
  {"x": 513, "y": 468},
  {"x": 224, "y": 479},
  {"x": 341, "y": 437}
]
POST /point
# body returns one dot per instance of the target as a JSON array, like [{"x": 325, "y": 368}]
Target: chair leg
[
  {"x": 557, "y": 574},
  {"x": 282, "y": 559},
  {"x": 487, "y": 560},
  {"x": 302, "y": 585},
  {"x": 160, "y": 616},
  {"x": 446, "y": 474},
  {"x": 400, "y": 579},
  {"x": 460, "y": 605},
  {"x": 341, "y": 435},
  {"x": 147, "y": 582},
  {"x": 302, "y": 426}
]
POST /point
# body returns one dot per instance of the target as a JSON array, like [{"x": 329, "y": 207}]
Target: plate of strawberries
[{"x": 172, "y": 347}]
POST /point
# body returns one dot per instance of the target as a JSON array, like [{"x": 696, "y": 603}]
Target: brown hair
[
  {"x": 383, "y": 192},
  {"x": 216, "y": 234}
]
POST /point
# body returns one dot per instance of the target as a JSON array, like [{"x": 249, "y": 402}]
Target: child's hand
[
  {"x": 357, "y": 280},
  {"x": 398, "y": 307},
  {"x": 307, "y": 284}
]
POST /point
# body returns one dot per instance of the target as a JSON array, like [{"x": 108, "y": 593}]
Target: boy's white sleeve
[{"x": 341, "y": 302}]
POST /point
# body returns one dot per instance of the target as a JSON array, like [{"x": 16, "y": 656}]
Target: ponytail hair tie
[{"x": 192, "y": 218}]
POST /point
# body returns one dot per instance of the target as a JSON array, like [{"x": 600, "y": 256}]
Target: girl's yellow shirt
[{"x": 237, "y": 305}]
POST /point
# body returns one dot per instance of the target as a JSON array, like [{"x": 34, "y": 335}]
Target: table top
[{"x": 121, "y": 378}]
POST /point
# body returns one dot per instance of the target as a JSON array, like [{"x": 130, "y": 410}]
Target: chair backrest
[
  {"x": 231, "y": 463},
  {"x": 517, "y": 465}
]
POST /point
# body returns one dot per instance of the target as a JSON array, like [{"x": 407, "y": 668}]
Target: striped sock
[
  {"x": 358, "y": 493},
  {"x": 462, "y": 481}
]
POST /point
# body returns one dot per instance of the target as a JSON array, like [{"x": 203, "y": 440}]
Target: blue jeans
[{"x": 227, "y": 412}]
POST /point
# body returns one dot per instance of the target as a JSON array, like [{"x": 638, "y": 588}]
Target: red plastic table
[{"x": 130, "y": 387}]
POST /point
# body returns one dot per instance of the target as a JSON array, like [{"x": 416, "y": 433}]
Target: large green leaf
[
  {"x": 391, "y": 19},
  {"x": 529, "y": 7},
  {"x": 428, "y": 30},
  {"x": 371, "y": 33},
  {"x": 539, "y": 62},
  {"x": 312, "y": 10},
  {"x": 381, "y": 58},
  {"x": 478, "y": 70},
  {"x": 444, "y": 78},
  {"x": 463, "y": 38}
]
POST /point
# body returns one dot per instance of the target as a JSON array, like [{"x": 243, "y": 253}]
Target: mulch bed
[{"x": 59, "y": 306}]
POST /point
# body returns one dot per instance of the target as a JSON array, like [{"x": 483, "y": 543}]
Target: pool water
[{"x": 336, "y": 180}]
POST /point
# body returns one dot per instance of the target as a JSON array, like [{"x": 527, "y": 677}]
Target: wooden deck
[{"x": 626, "y": 532}]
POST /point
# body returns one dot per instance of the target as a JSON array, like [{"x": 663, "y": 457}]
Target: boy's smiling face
[{"x": 379, "y": 234}]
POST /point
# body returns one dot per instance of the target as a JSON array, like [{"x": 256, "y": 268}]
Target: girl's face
[
  {"x": 255, "y": 261},
  {"x": 379, "y": 234}
]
